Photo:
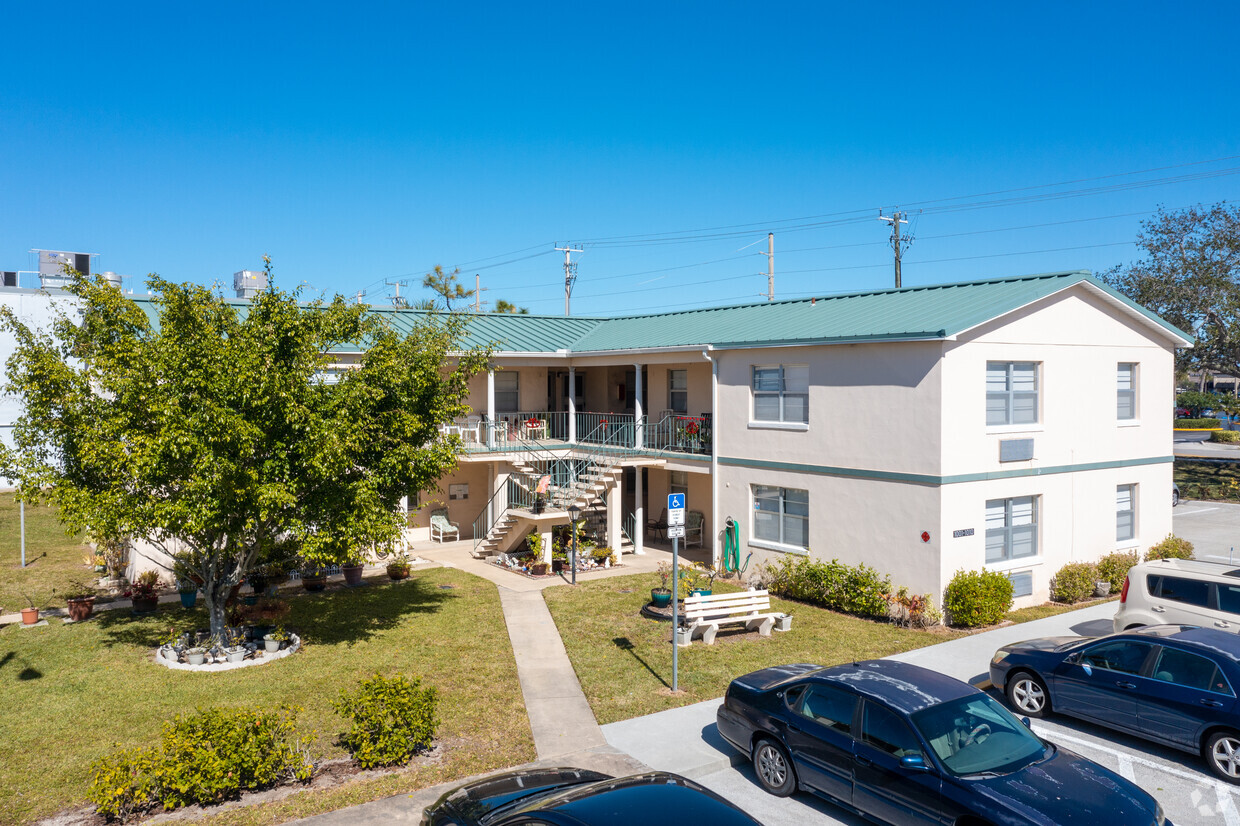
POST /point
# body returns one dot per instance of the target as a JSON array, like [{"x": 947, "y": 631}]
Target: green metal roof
[{"x": 911, "y": 313}]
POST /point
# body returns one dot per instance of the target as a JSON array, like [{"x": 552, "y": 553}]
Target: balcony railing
[{"x": 539, "y": 431}]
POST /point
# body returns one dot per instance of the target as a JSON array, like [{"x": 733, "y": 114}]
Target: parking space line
[
  {"x": 1227, "y": 806},
  {"x": 1225, "y": 790},
  {"x": 1124, "y": 769},
  {"x": 1191, "y": 512}
]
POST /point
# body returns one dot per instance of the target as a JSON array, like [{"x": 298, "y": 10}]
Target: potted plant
[
  {"x": 30, "y": 616},
  {"x": 661, "y": 597},
  {"x": 144, "y": 591},
  {"x": 538, "y": 566},
  {"x": 352, "y": 570},
  {"x": 313, "y": 579},
  {"x": 195, "y": 655},
  {"x": 235, "y": 651},
  {"x": 257, "y": 579},
  {"x": 702, "y": 569},
  {"x": 80, "y": 599},
  {"x": 188, "y": 590},
  {"x": 274, "y": 641},
  {"x": 398, "y": 568}
]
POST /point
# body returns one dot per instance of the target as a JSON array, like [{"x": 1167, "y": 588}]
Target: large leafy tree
[
  {"x": 217, "y": 430},
  {"x": 1190, "y": 275}
]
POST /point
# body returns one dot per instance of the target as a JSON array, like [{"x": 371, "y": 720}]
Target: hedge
[
  {"x": 1173, "y": 547},
  {"x": 1225, "y": 436},
  {"x": 853, "y": 589},
  {"x": 1074, "y": 582},
  {"x": 1114, "y": 568},
  {"x": 977, "y": 598},
  {"x": 1197, "y": 424}
]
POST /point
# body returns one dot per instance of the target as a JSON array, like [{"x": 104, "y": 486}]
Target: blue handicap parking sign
[{"x": 675, "y": 501}]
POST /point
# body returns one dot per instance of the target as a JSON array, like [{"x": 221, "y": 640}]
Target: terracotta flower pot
[
  {"x": 30, "y": 616},
  {"x": 145, "y": 605},
  {"x": 313, "y": 582},
  {"x": 352, "y": 574},
  {"x": 397, "y": 573},
  {"x": 539, "y": 569},
  {"x": 80, "y": 608}
]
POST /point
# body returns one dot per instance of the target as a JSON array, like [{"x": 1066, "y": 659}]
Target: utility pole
[
  {"x": 397, "y": 301},
  {"x": 478, "y": 288},
  {"x": 898, "y": 244},
  {"x": 360, "y": 295},
  {"x": 570, "y": 272},
  {"x": 770, "y": 266}
]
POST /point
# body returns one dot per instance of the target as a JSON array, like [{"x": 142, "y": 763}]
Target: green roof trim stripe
[{"x": 936, "y": 311}]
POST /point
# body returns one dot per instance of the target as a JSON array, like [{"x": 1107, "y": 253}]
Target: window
[
  {"x": 1125, "y": 512},
  {"x": 678, "y": 391},
  {"x": 1187, "y": 591},
  {"x": 832, "y": 707},
  {"x": 1011, "y": 528},
  {"x": 1011, "y": 392},
  {"x": 1022, "y": 583},
  {"x": 506, "y": 396},
  {"x": 1229, "y": 598},
  {"x": 885, "y": 731},
  {"x": 678, "y": 482},
  {"x": 1190, "y": 670},
  {"x": 781, "y": 393},
  {"x": 1126, "y": 391},
  {"x": 1122, "y": 656},
  {"x": 781, "y": 515}
]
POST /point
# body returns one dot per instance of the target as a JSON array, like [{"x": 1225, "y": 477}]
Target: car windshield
[{"x": 976, "y": 735}]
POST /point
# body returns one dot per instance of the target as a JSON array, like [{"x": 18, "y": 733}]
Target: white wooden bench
[{"x": 706, "y": 613}]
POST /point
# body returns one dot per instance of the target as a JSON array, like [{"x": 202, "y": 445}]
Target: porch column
[
  {"x": 546, "y": 544},
  {"x": 638, "y": 441},
  {"x": 639, "y": 512},
  {"x": 491, "y": 407},
  {"x": 572, "y": 405},
  {"x": 613, "y": 520}
]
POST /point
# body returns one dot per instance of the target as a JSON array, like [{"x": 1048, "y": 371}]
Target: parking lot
[{"x": 685, "y": 740}]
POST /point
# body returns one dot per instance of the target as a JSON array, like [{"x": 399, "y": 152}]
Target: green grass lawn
[
  {"x": 52, "y": 557},
  {"x": 73, "y": 691},
  {"x": 1199, "y": 480},
  {"x": 624, "y": 660}
]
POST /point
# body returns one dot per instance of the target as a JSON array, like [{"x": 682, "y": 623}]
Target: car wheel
[
  {"x": 1222, "y": 752},
  {"x": 1175, "y": 498},
  {"x": 1028, "y": 695},
  {"x": 774, "y": 769}
]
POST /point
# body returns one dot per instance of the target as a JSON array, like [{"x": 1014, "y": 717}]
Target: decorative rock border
[{"x": 217, "y": 661}]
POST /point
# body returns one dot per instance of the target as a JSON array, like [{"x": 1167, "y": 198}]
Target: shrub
[
  {"x": 1228, "y": 436},
  {"x": 122, "y": 785},
  {"x": 977, "y": 598},
  {"x": 913, "y": 610},
  {"x": 1114, "y": 567},
  {"x": 206, "y": 757},
  {"x": 393, "y": 719},
  {"x": 854, "y": 589},
  {"x": 1197, "y": 424},
  {"x": 1074, "y": 582},
  {"x": 1173, "y": 547}
]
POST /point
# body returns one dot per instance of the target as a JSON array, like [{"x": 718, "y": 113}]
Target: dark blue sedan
[
  {"x": 1173, "y": 684},
  {"x": 907, "y": 745}
]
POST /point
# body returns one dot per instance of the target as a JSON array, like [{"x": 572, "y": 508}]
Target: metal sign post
[{"x": 675, "y": 529}]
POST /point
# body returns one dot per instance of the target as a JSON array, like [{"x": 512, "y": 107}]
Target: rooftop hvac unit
[
  {"x": 9, "y": 279},
  {"x": 112, "y": 278},
  {"x": 54, "y": 266},
  {"x": 249, "y": 283}
]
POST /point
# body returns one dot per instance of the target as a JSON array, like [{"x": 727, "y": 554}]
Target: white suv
[{"x": 1181, "y": 592}]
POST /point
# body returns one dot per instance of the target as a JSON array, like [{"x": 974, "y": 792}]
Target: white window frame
[
  {"x": 1128, "y": 492},
  {"x": 780, "y": 543},
  {"x": 1010, "y": 394},
  {"x": 1011, "y": 528},
  {"x": 782, "y": 394},
  {"x": 678, "y": 482},
  {"x": 514, "y": 391},
  {"x": 673, "y": 391},
  {"x": 1128, "y": 392}
]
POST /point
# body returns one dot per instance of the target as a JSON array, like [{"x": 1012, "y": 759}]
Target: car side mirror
[
  {"x": 1073, "y": 658},
  {"x": 914, "y": 762}
]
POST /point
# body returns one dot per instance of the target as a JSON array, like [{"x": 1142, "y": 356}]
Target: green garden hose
[{"x": 732, "y": 547}]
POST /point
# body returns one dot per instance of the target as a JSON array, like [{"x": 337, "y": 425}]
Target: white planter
[
  {"x": 783, "y": 622},
  {"x": 272, "y": 646},
  {"x": 195, "y": 657},
  {"x": 235, "y": 655}
]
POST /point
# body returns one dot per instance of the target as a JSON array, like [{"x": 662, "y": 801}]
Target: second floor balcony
[{"x": 539, "y": 431}]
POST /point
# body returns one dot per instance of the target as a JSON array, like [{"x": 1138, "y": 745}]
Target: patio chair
[
  {"x": 693, "y": 528},
  {"x": 658, "y": 526},
  {"x": 441, "y": 527}
]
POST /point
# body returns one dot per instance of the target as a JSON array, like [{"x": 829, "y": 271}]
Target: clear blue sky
[{"x": 358, "y": 143}]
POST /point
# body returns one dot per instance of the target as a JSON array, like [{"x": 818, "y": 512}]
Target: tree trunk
[{"x": 216, "y": 594}]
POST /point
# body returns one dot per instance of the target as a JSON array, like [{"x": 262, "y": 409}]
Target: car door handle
[
  {"x": 1222, "y": 624},
  {"x": 863, "y": 761},
  {"x": 794, "y": 727},
  {"x": 1126, "y": 685},
  {"x": 1158, "y": 609},
  {"x": 1211, "y": 703}
]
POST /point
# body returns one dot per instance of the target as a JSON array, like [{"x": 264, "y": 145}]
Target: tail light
[{"x": 1123, "y": 594}]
